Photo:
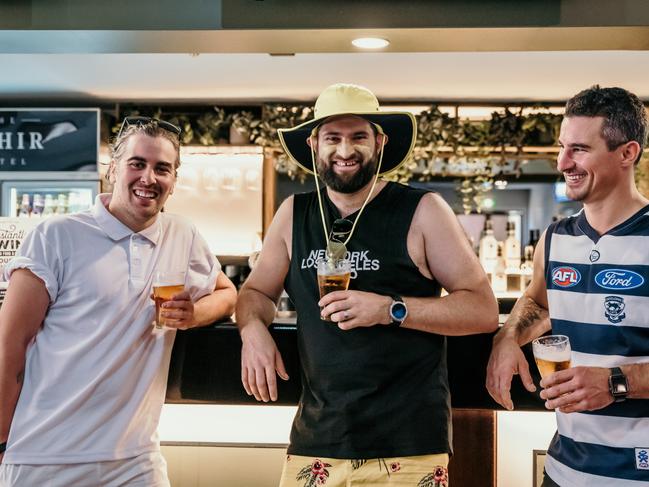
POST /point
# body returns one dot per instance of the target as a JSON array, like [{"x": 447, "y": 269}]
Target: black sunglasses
[
  {"x": 340, "y": 229},
  {"x": 137, "y": 120}
]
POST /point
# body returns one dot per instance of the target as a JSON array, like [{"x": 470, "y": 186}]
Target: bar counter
[{"x": 205, "y": 368}]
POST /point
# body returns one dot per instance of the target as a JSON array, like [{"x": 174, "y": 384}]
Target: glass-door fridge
[
  {"x": 48, "y": 166},
  {"x": 42, "y": 198}
]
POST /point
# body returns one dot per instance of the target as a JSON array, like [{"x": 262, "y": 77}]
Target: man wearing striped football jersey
[{"x": 591, "y": 283}]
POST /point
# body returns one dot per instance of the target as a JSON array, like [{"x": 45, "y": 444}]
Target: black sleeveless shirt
[{"x": 370, "y": 392}]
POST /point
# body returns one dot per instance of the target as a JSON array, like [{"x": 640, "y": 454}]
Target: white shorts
[{"x": 145, "y": 470}]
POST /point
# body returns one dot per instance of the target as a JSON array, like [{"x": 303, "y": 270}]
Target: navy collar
[{"x": 620, "y": 229}]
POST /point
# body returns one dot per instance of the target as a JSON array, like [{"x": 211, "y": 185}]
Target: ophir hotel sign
[{"x": 49, "y": 139}]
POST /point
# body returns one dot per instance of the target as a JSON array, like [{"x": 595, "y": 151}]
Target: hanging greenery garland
[
  {"x": 474, "y": 150},
  {"x": 471, "y": 151}
]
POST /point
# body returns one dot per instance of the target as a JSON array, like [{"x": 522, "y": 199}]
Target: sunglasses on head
[{"x": 137, "y": 120}]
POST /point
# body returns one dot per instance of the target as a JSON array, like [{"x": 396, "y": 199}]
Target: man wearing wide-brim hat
[{"x": 375, "y": 404}]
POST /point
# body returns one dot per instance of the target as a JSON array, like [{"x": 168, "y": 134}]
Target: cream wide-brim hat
[{"x": 348, "y": 99}]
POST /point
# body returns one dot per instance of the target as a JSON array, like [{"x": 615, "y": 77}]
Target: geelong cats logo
[{"x": 614, "y": 308}]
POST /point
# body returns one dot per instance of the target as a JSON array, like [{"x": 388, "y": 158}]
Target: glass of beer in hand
[
  {"x": 165, "y": 285},
  {"x": 333, "y": 275},
  {"x": 551, "y": 353}
]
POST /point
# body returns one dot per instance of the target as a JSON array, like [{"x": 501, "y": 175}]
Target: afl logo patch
[
  {"x": 565, "y": 276},
  {"x": 618, "y": 279}
]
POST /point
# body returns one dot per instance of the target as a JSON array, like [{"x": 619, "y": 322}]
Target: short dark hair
[{"x": 625, "y": 117}]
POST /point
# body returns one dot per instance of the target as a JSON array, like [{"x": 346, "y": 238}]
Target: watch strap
[
  {"x": 3, "y": 447},
  {"x": 618, "y": 384}
]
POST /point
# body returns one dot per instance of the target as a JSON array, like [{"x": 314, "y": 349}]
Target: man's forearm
[
  {"x": 462, "y": 312},
  {"x": 12, "y": 372},
  {"x": 254, "y": 307},
  {"x": 527, "y": 321},
  {"x": 21, "y": 316},
  {"x": 638, "y": 378},
  {"x": 215, "y": 306}
]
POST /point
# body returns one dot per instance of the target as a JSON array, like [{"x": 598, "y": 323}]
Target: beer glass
[
  {"x": 551, "y": 353},
  {"x": 165, "y": 285},
  {"x": 333, "y": 275}
]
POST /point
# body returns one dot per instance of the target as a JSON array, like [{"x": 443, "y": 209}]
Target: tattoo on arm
[
  {"x": 20, "y": 376},
  {"x": 530, "y": 313}
]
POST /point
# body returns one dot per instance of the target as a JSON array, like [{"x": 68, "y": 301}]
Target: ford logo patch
[
  {"x": 618, "y": 279},
  {"x": 565, "y": 276}
]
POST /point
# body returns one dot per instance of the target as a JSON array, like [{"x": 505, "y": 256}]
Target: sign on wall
[
  {"x": 49, "y": 139},
  {"x": 12, "y": 233}
]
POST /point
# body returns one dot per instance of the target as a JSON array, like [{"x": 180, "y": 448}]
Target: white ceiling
[{"x": 218, "y": 77}]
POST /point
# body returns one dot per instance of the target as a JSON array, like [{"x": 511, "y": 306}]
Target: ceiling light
[
  {"x": 500, "y": 183},
  {"x": 371, "y": 42}
]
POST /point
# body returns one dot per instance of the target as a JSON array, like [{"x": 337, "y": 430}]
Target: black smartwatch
[
  {"x": 3, "y": 447},
  {"x": 398, "y": 311},
  {"x": 618, "y": 384}
]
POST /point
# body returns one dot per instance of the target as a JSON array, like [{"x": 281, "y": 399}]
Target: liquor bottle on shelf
[
  {"x": 62, "y": 204},
  {"x": 512, "y": 247},
  {"x": 74, "y": 204},
  {"x": 38, "y": 206},
  {"x": 512, "y": 250},
  {"x": 527, "y": 267},
  {"x": 534, "y": 238},
  {"x": 25, "y": 208},
  {"x": 499, "y": 276},
  {"x": 488, "y": 248},
  {"x": 48, "y": 209}
]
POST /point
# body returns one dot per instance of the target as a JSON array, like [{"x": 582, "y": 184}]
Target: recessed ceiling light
[
  {"x": 371, "y": 43},
  {"x": 500, "y": 183}
]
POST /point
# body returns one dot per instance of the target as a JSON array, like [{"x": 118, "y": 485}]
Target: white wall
[
  {"x": 215, "y": 466},
  {"x": 519, "y": 433}
]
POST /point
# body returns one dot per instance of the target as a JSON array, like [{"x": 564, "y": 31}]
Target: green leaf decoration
[{"x": 470, "y": 150}]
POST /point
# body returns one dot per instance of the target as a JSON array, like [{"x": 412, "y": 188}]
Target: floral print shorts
[{"x": 415, "y": 471}]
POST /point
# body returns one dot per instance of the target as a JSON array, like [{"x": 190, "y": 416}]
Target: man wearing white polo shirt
[{"x": 82, "y": 370}]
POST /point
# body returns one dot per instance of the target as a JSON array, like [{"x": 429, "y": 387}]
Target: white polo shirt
[{"x": 96, "y": 372}]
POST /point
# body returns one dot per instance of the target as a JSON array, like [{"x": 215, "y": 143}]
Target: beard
[{"x": 347, "y": 185}]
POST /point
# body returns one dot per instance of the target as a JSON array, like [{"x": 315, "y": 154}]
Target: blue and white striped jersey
[{"x": 598, "y": 294}]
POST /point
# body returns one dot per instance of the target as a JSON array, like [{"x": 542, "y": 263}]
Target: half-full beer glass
[
  {"x": 333, "y": 275},
  {"x": 551, "y": 353},
  {"x": 165, "y": 285}
]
